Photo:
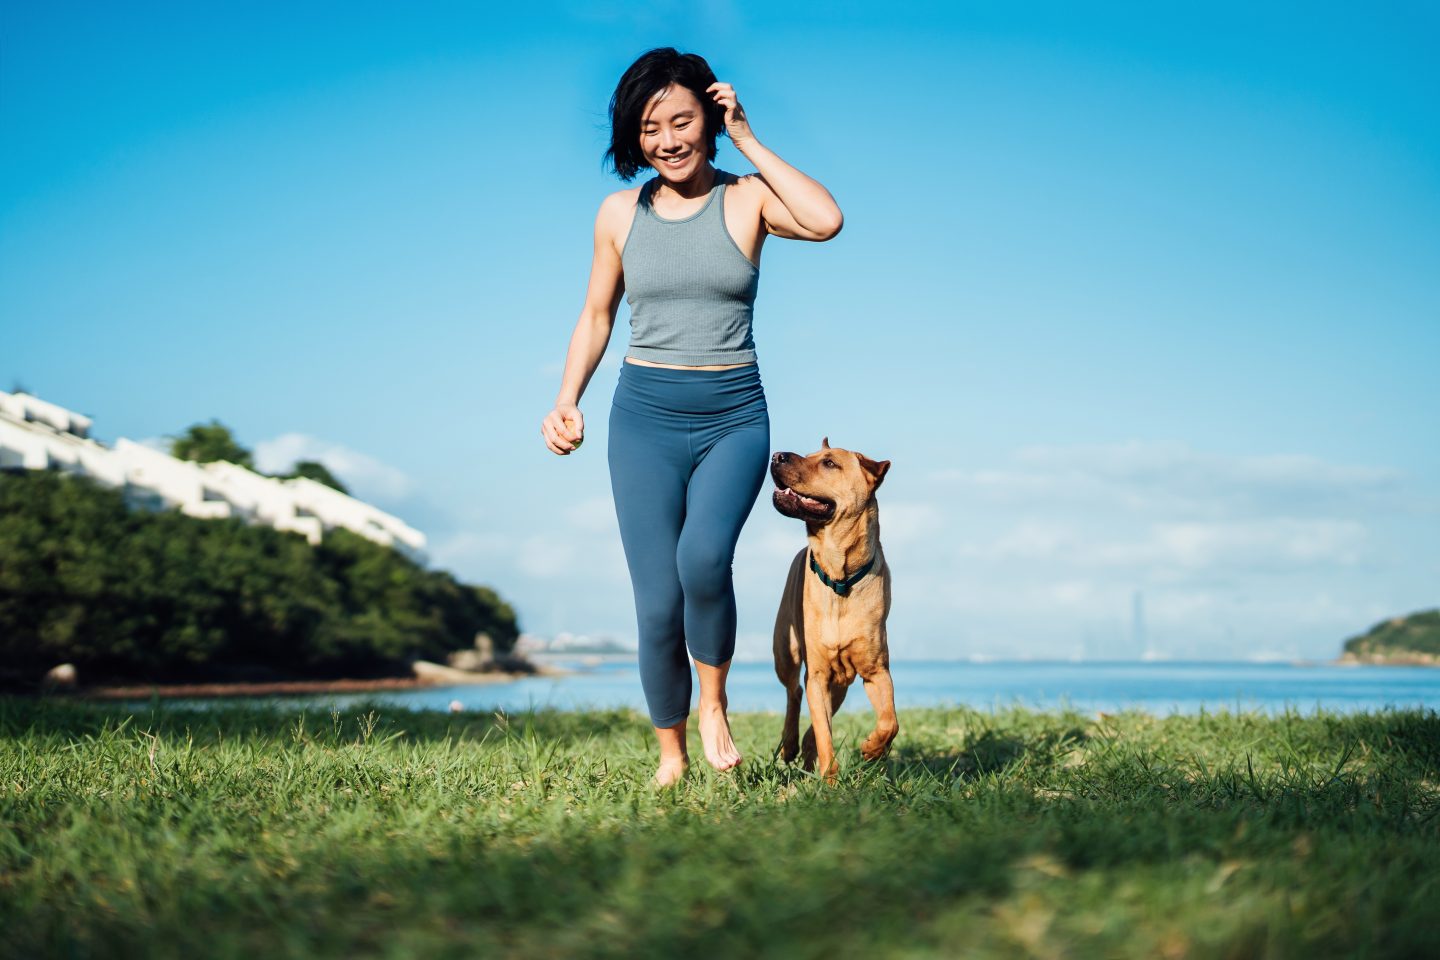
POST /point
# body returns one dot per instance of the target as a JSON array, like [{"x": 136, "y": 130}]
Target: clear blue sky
[{"x": 1134, "y": 300}]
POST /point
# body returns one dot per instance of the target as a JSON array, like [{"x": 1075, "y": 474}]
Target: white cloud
[
  {"x": 1071, "y": 593},
  {"x": 546, "y": 556},
  {"x": 1033, "y": 540},
  {"x": 1053, "y": 544},
  {"x": 162, "y": 444},
  {"x": 774, "y": 544},
  {"x": 909, "y": 521},
  {"x": 1279, "y": 543},
  {"x": 593, "y": 515},
  {"x": 367, "y": 478},
  {"x": 462, "y": 548},
  {"x": 1037, "y": 555},
  {"x": 1172, "y": 477}
]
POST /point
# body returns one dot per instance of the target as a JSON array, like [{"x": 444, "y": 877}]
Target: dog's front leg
[
  {"x": 817, "y": 693},
  {"x": 882, "y": 697}
]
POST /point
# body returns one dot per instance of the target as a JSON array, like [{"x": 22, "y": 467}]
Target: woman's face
[{"x": 672, "y": 134}]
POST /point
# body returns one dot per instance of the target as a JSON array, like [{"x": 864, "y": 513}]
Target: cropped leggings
[{"x": 688, "y": 452}]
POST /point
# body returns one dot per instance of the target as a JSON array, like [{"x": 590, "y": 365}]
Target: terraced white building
[{"x": 37, "y": 435}]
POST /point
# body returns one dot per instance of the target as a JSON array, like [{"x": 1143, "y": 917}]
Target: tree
[
  {"x": 165, "y": 596},
  {"x": 205, "y": 443},
  {"x": 317, "y": 471}
]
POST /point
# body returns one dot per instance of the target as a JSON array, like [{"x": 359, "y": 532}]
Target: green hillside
[
  {"x": 163, "y": 597},
  {"x": 1412, "y": 639}
]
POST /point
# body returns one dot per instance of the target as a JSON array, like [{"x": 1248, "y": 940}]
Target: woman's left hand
[{"x": 736, "y": 126}]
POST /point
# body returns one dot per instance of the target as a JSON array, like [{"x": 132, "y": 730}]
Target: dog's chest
[{"x": 837, "y": 622}]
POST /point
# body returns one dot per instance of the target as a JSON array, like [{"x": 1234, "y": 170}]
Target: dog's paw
[
  {"x": 787, "y": 751},
  {"x": 807, "y": 749},
  {"x": 874, "y": 747}
]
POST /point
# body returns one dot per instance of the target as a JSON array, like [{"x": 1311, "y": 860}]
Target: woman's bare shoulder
[
  {"x": 617, "y": 208},
  {"x": 621, "y": 199},
  {"x": 751, "y": 186}
]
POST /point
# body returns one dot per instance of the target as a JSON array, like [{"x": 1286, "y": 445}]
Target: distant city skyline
[{"x": 1136, "y": 301}]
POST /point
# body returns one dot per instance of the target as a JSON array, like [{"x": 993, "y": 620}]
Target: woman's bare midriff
[{"x": 681, "y": 366}]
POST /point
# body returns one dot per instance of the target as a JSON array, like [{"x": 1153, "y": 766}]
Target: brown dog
[{"x": 831, "y": 620}]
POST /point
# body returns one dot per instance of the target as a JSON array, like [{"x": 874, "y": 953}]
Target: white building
[{"x": 37, "y": 435}]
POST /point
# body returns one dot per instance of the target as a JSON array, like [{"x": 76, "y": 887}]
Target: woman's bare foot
[
  {"x": 670, "y": 770},
  {"x": 714, "y": 725},
  {"x": 715, "y": 735},
  {"x": 674, "y": 760}
]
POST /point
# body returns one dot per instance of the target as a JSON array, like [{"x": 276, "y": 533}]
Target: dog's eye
[{"x": 828, "y": 463}]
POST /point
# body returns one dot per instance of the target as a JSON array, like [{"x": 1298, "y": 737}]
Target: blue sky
[{"x": 1133, "y": 300}]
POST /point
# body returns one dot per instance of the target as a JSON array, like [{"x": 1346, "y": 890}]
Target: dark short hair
[{"x": 652, "y": 72}]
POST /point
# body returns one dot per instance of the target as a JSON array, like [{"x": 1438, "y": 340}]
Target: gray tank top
[{"x": 690, "y": 288}]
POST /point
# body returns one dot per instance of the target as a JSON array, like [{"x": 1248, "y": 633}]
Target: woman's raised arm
[{"x": 794, "y": 206}]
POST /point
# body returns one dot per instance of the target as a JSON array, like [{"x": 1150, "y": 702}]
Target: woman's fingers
[
  {"x": 554, "y": 437},
  {"x": 563, "y": 431},
  {"x": 723, "y": 94},
  {"x": 570, "y": 422},
  {"x": 737, "y": 126}
]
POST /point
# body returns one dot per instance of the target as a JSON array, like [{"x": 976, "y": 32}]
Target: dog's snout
[{"x": 782, "y": 457}]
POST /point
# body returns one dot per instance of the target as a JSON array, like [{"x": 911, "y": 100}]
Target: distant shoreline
[
  {"x": 143, "y": 691},
  {"x": 1415, "y": 659},
  {"x": 445, "y": 677}
]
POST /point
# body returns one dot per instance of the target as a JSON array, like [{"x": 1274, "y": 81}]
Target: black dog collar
[{"x": 842, "y": 587}]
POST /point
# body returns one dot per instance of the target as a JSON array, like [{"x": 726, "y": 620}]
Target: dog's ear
[
  {"x": 876, "y": 470},
  {"x": 825, "y": 443}
]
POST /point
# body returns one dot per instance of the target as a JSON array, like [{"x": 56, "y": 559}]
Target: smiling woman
[
  {"x": 689, "y": 424},
  {"x": 660, "y": 111}
]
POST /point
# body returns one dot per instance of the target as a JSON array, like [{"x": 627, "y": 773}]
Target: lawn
[{"x": 249, "y": 831}]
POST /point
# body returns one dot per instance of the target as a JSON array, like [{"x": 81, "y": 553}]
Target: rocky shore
[
  {"x": 426, "y": 675},
  {"x": 1410, "y": 658}
]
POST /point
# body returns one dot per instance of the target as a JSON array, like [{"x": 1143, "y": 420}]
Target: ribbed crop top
[{"x": 690, "y": 288}]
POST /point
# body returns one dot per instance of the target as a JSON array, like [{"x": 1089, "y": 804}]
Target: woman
[{"x": 689, "y": 426}]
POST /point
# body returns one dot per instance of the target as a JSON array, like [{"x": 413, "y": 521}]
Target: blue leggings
[{"x": 688, "y": 452}]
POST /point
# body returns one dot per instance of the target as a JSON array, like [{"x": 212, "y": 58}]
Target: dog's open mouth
[{"x": 795, "y": 504}]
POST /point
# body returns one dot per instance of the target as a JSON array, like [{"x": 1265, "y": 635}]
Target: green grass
[{"x": 250, "y": 832}]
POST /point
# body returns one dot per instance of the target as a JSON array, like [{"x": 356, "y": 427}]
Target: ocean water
[{"x": 1159, "y": 688}]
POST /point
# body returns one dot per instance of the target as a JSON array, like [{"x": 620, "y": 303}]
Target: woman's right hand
[{"x": 563, "y": 429}]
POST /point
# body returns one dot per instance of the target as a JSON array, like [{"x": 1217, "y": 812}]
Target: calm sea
[{"x": 1156, "y": 687}]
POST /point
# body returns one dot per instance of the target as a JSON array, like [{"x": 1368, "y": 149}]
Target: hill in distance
[{"x": 1412, "y": 640}]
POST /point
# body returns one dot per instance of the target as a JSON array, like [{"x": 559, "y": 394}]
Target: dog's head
[{"x": 827, "y": 484}]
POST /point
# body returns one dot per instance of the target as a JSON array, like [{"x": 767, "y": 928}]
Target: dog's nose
[{"x": 781, "y": 457}]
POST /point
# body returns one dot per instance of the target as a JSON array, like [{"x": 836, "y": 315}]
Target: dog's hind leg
[
  {"x": 790, "y": 668},
  {"x": 789, "y": 643},
  {"x": 790, "y": 732},
  {"x": 881, "y": 692}
]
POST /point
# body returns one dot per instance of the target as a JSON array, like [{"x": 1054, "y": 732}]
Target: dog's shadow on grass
[{"x": 988, "y": 752}]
